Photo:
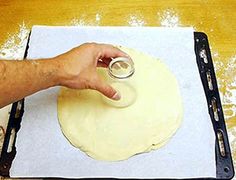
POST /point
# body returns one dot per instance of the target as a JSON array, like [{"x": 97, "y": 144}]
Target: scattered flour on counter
[
  {"x": 232, "y": 141},
  {"x": 218, "y": 66},
  {"x": 14, "y": 47},
  {"x": 169, "y": 18},
  {"x": 77, "y": 22},
  {"x": 227, "y": 81},
  {"x": 135, "y": 20},
  {"x": 230, "y": 74},
  {"x": 215, "y": 54},
  {"x": 84, "y": 21},
  {"x": 98, "y": 17}
]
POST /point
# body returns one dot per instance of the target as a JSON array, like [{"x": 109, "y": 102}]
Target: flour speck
[
  {"x": 169, "y": 18},
  {"x": 98, "y": 17},
  {"x": 84, "y": 20},
  {"x": 136, "y": 20}
]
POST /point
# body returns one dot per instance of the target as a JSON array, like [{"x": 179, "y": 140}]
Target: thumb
[{"x": 107, "y": 90}]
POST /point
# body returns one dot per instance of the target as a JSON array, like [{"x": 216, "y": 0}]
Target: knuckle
[
  {"x": 89, "y": 44},
  {"x": 92, "y": 44}
]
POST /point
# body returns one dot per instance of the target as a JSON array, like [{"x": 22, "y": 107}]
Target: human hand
[{"x": 78, "y": 67}]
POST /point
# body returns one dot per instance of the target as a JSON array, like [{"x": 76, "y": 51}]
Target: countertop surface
[{"x": 216, "y": 18}]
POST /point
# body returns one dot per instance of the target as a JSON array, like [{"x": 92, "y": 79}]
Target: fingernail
[{"x": 116, "y": 96}]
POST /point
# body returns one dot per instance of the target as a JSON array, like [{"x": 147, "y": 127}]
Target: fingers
[
  {"x": 107, "y": 90},
  {"x": 108, "y": 51},
  {"x": 102, "y": 64},
  {"x": 106, "y": 60}
]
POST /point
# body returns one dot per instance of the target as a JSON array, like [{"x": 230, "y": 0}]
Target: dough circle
[{"x": 109, "y": 133}]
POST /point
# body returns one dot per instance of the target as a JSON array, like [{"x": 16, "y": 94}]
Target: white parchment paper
[{"x": 43, "y": 151}]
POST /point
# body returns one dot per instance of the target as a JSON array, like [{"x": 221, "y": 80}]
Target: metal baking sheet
[{"x": 217, "y": 174}]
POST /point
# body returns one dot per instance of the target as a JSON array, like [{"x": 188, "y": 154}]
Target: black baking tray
[{"x": 224, "y": 163}]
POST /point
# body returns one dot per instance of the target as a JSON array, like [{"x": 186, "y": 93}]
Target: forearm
[
  {"x": 74, "y": 69},
  {"x": 19, "y": 79}
]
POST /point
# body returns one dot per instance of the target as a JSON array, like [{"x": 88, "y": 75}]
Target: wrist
[
  {"x": 48, "y": 70},
  {"x": 62, "y": 75},
  {"x": 58, "y": 69}
]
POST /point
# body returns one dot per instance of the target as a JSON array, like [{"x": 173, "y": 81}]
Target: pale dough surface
[{"x": 108, "y": 133}]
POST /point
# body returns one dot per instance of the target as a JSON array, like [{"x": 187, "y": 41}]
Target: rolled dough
[{"x": 105, "y": 132}]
